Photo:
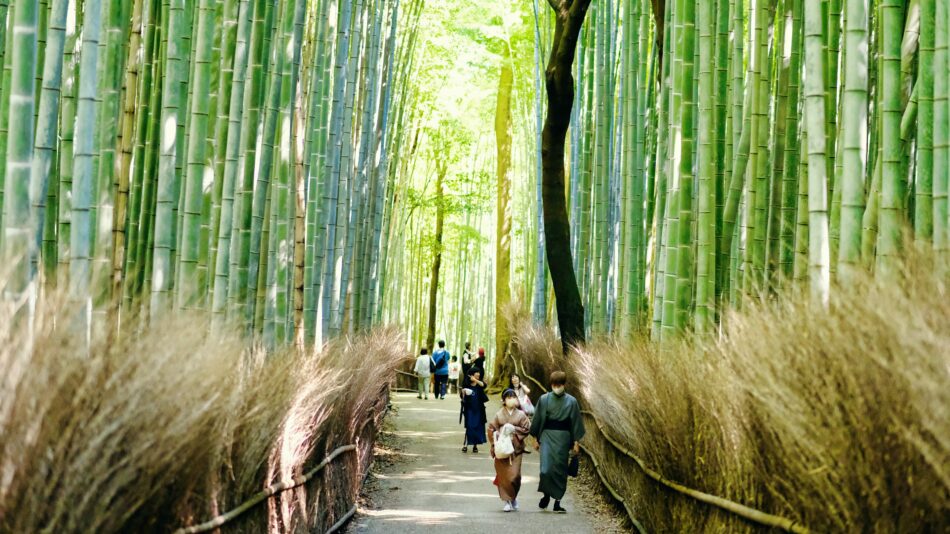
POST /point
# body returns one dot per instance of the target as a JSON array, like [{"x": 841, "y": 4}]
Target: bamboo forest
[{"x": 234, "y": 231}]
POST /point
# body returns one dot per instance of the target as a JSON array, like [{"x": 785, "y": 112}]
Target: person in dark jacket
[
  {"x": 479, "y": 362},
  {"x": 473, "y": 413}
]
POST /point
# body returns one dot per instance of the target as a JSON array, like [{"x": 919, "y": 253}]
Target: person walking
[
  {"x": 473, "y": 411},
  {"x": 423, "y": 371},
  {"x": 479, "y": 361},
  {"x": 510, "y": 423},
  {"x": 524, "y": 401},
  {"x": 454, "y": 369},
  {"x": 441, "y": 359},
  {"x": 522, "y": 391},
  {"x": 468, "y": 357},
  {"x": 558, "y": 426}
]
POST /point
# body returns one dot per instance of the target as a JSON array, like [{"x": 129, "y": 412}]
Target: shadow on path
[{"x": 437, "y": 488}]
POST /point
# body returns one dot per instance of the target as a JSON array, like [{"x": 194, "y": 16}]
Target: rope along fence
[
  {"x": 288, "y": 484},
  {"x": 750, "y": 514}
]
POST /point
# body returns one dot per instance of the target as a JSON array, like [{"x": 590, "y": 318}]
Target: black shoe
[
  {"x": 464, "y": 449},
  {"x": 545, "y": 501},
  {"x": 475, "y": 449},
  {"x": 558, "y": 509}
]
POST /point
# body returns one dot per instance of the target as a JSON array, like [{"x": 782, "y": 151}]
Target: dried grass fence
[
  {"x": 796, "y": 419},
  {"x": 171, "y": 427}
]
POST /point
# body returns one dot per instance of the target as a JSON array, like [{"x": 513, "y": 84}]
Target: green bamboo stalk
[
  {"x": 82, "y": 229},
  {"x": 238, "y": 276},
  {"x": 892, "y": 183},
  {"x": 706, "y": 223},
  {"x": 232, "y": 145},
  {"x": 67, "y": 126},
  {"x": 224, "y": 75},
  {"x": 145, "y": 114},
  {"x": 166, "y": 199},
  {"x": 854, "y": 131},
  {"x": 941, "y": 117},
  {"x": 800, "y": 267},
  {"x": 6, "y": 79},
  {"x": 189, "y": 286},
  {"x": 815, "y": 103},
  {"x": 924, "y": 184},
  {"x": 127, "y": 197},
  {"x": 20, "y": 219},
  {"x": 758, "y": 192},
  {"x": 46, "y": 126},
  {"x": 111, "y": 47},
  {"x": 259, "y": 261},
  {"x": 791, "y": 178}
]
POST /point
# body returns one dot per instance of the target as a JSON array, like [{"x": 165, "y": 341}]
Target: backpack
[
  {"x": 504, "y": 447},
  {"x": 439, "y": 359}
]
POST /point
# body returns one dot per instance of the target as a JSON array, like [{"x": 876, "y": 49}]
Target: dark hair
[
  {"x": 511, "y": 381},
  {"x": 441, "y": 344},
  {"x": 455, "y": 358},
  {"x": 558, "y": 378},
  {"x": 468, "y": 344},
  {"x": 425, "y": 351},
  {"x": 508, "y": 393}
]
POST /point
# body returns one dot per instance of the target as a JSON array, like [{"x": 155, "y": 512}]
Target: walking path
[{"x": 437, "y": 488}]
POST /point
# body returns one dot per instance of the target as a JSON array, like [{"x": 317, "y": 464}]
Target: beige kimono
[{"x": 508, "y": 471}]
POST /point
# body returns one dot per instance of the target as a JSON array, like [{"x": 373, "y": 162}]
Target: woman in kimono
[
  {"x": 473, "y": 410},
  {"x": 522, "y": 391},
  {"x": 558, "y": 426},
  {"x": 509, "y": 419}
]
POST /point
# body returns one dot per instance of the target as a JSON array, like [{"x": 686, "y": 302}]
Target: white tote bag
[{"x": 504, "y": 447}]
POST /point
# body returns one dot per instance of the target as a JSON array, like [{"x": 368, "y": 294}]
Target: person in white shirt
[
  {"x": 454, "y": 369},
  {"x": 467, "y": 358},
  {"x": 423, "y": 373}
]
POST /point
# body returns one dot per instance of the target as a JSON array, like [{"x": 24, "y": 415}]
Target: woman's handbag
[
  {"x": 527, "y": 406},
  {"x": 574, "y": 466},
  {"x": 504, "y": 446}
]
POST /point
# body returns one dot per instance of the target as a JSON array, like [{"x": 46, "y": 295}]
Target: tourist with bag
[
  {"x": 558, "y": 427},
  {"x": 441, "y": 360},
  {"x": 506, "y": 433},
  {"x": 522, "y": 391}
]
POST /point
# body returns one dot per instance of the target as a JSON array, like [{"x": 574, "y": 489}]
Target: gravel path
[{"x": 437, "y": 488}]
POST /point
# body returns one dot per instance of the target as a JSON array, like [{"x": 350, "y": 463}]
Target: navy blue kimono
[{"x": 474, "y": 416}]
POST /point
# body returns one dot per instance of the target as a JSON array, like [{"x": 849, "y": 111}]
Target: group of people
[
  {"x": 446, "y": 369},
  {"x": 555, "y": 424}
]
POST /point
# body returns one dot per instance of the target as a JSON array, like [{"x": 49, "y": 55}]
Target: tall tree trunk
[
  {"x": 503, "y": 228},
  {"x": 569, "y": 16},
  {"x": 443, "y": 168}
]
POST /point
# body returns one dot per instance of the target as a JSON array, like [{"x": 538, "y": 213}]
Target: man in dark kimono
[{"x": 558, "y": 426}]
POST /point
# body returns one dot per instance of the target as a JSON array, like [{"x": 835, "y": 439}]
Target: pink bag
[{"x": 527, "y": 407}]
